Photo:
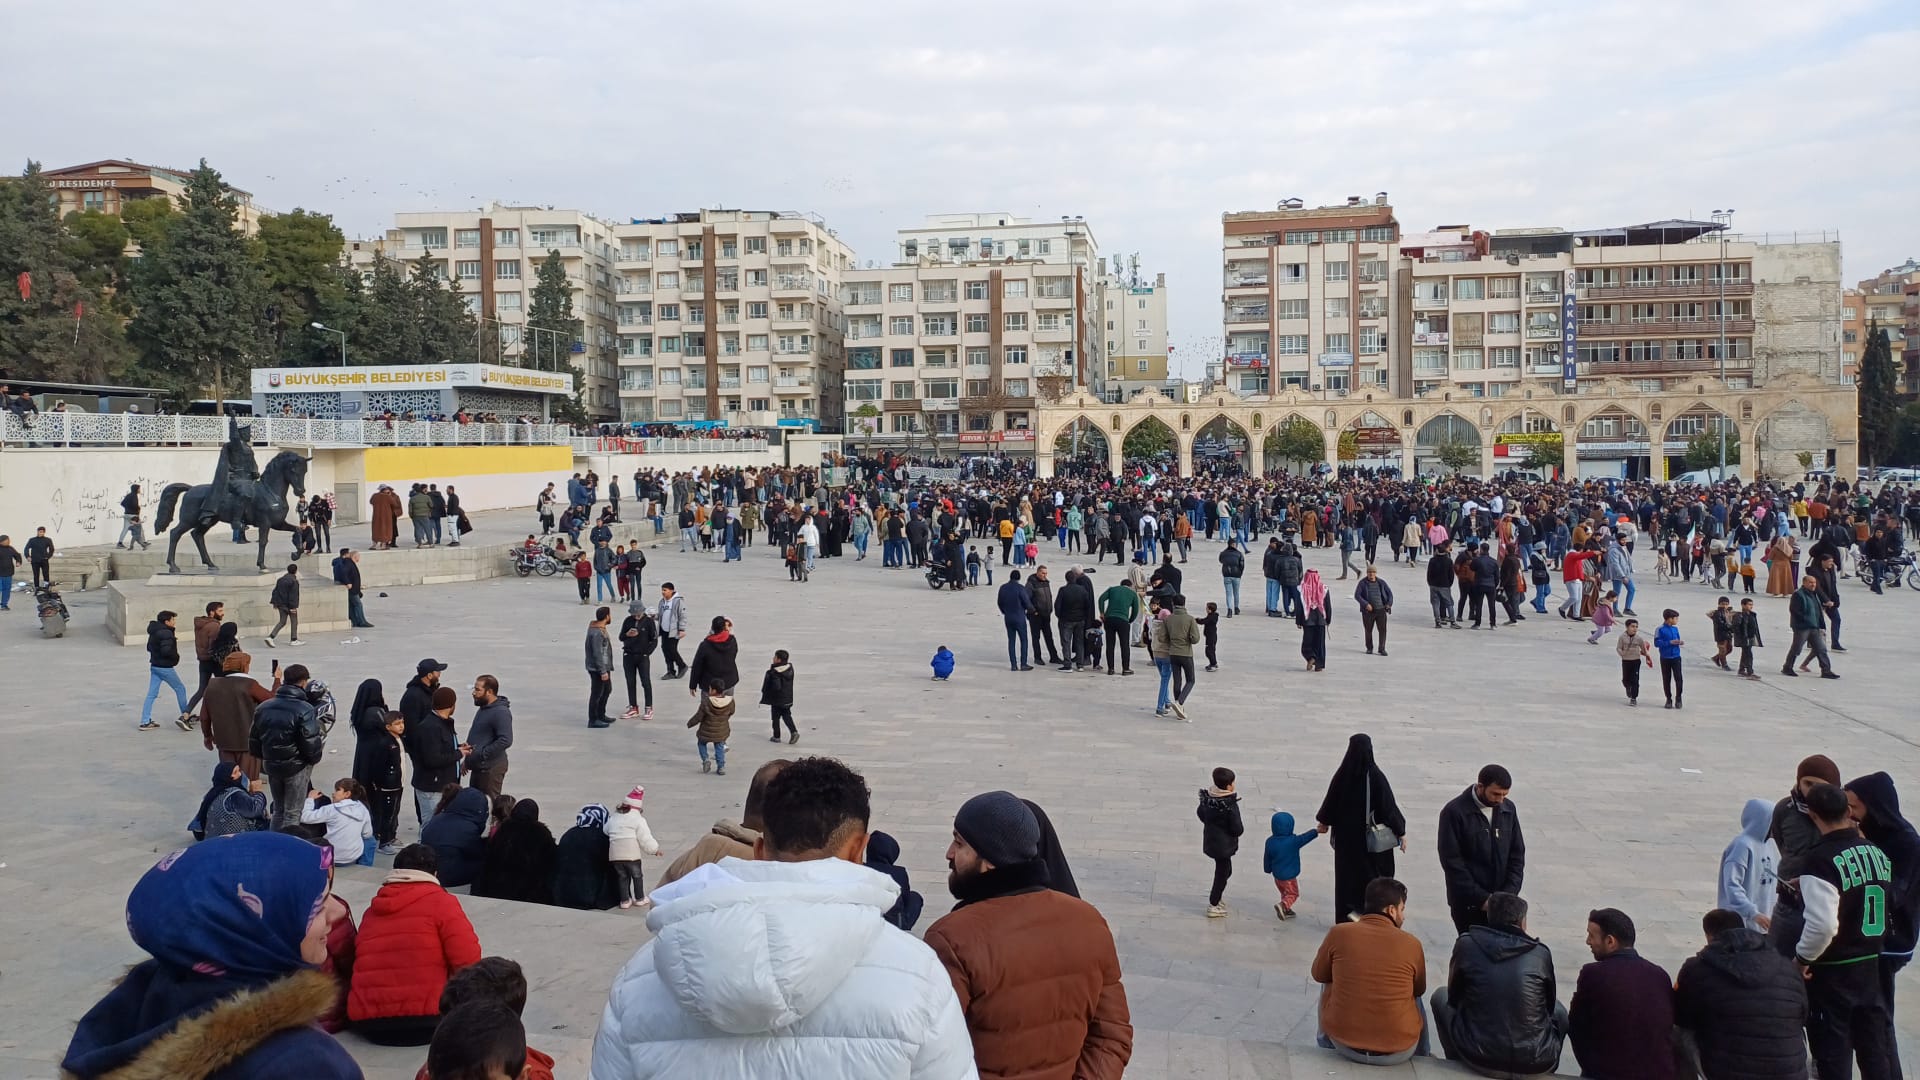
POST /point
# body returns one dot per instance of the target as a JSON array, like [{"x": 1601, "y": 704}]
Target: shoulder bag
[{"x": 1379, "y": 837}]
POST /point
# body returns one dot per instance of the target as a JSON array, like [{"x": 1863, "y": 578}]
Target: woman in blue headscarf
[
  {"x": 582, "y": 876},
  {"x": 231, "y": 805},
  {"x": 235, "y": 928}
]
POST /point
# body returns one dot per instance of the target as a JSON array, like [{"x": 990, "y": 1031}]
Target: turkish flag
[
  {"x": 79, "y": 310},
  {"x": 26, "y": 285}
]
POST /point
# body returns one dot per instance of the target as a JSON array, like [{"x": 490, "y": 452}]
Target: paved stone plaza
[{"x": 1623, "y": 808}]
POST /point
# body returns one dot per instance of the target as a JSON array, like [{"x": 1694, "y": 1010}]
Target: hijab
[
  {"x": 226, "y": 776},
  {"x": 1345, "y": 805},
  {"x": 367, "y": 697},
  {"x": 1313, "y": 590},
  {"x": 593, "y": 816}
]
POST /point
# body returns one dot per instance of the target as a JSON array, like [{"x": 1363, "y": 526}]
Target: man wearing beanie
[
  {"x": 1035, "y": 969},
  {"x": 434, "y": 749},
  {"x": 1795, "y": 833}
]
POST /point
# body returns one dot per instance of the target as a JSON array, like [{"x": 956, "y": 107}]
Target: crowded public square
[{"x": 1534, "y": 717}]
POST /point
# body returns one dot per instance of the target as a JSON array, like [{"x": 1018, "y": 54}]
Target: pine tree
[
  {"x": 64, "y": 327},
  {"x": 551, "y": 309},
  {"x": 299, "y": 256},
  {"x": 1878, "y": 395},
  {"x": 447, "y": 328},
  {"x": 199, "y": 296}
]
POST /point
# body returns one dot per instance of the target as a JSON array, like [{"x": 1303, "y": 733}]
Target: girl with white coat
[
  {"x": 348, "y": 822},
  {"x": 627, "y": 839}
]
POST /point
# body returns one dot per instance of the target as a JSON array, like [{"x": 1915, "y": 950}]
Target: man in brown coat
[
  {"x": 228, "y": 708},
  {"x": 205, "y": 629},
  {"x": 1035, "y": 970},
  {"x": 1372, "y": 975},
  {"x": 729, "y": 838}
]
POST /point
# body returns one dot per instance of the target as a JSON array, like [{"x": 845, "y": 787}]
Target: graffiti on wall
[{"x": 96, "y": 512}]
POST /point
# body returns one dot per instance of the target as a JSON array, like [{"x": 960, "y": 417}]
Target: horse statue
[{"x": 262, "y": 504}]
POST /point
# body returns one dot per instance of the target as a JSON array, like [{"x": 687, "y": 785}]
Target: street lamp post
[
  {"x": 1724, "y": 218},
  {"x": 323, "y": 328}
]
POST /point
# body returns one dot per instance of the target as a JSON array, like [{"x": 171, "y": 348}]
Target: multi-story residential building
[
  {"x": 1133, "y": 313},
  {"x": 1069, "y": 243},
  {"x": 1891, "y": 301},
  {"x": 1308, "y": 297},
  {"x": 731, "y": 316},
  {"x": 495, "y": 254},
  {"x": 107, "y": 186}
]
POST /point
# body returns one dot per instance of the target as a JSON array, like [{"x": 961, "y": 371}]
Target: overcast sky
[{"x": 1149, "y": 119}]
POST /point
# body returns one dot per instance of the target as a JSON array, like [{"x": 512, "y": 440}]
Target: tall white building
[
  {"x": 1133, "y": 318},
  {"x": 495, "y": 254},
  {"x": 730, "y": 315}
]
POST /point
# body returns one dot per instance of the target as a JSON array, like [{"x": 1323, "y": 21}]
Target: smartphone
[{"x": 276, "y": 667}]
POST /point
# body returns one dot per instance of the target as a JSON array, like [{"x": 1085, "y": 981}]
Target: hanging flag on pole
[
  {"x": 26, "y": 285},
  {"x": 79, "y": 309}
]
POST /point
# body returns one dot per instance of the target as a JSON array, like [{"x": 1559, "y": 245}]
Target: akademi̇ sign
[{"x": 1569, "y": 333}]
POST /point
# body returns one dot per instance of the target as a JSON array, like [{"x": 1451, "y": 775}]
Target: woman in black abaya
[{"x": 1344, "y": 811}]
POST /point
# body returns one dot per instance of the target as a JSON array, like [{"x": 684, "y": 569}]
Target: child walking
[
  {"x": 582, "y": 575},
  {"x": 1722, "y": 619},
  {"x": 1633, "y": 650},
  {"x": 627, "y": 839},
  {"x": 776, "y": 690},
  {"x": 1282, "y": 859},
  {"x": 714, "y": 718},
  {"x": 1210, "y": 633},
  {"x": 1746, "y": 635},
  {"x": 973, "y": 565},
  {"x": 942, "y": 664},
  {"x": 1667, "y": 641},
  {"x": 1220, "y": 829},
  {"x": 1602, "y": 618}
]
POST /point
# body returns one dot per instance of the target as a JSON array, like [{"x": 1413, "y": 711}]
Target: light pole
[
  {"x": 1724, "y": 218},
  {"x": 323, "y": 328}
]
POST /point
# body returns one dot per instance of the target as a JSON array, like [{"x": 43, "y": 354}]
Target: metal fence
[
  {"x": 621, "y": 444},
  {"x": 139, "y": 429}
]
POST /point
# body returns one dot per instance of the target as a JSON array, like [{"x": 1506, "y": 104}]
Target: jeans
[
  {"x": 287, "y": 618},
  {"x": 1016, "y": 630},
  {"x": 686, "y": 538},
  {"x": 603, "y": 585},
  {"x": 1166, "y": 682},
  {"x": 1073, "y": 644},
  {"x": 859, "y": 546},
  {"x": 1570, "y": 607},
  {"x": 6, "y": 591},
  {"x": 1273, "y": 595},
  {"x": 1423, "y": 1048},
  {"x": 289, "y": 796},
  {"x": 1540, "y": 594},
  {"x": 357, "y": 611},
  {"x": 434, "y": 529},
  {"x": 1623, "y": 587},
  {"x": 156, "y": 676},
  {"x": 1231, "y": 585},
  {"x": 1814, "y": 640},
  {"x": 719, "y": 752},
  {"x": 631, "y": 883},
  {"x": 599, "y": 689},
  {"x": 1152, "y": 548},
  {"x": 129, "y": 524},
  {"x": 1442, "y": 600},
  {"x": 1847, "y": 1018},
  {"x": 422, "y": 530},
  {"x": 1290, "y": 603}
]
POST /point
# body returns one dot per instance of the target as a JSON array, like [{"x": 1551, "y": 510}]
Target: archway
[
  {"x": 1371, "y": 442},
  {"x": 1691, "y": 442},
  {"x": 1150, "y": 447},
  {"x": 1220, "y": 448},
  {"x": 1447, "y": 443},
  {"x": 1611, "y": 443},
  {"x": 1530, "y": 441},
  {"x": 1803, "y": 437},
  {"x": 1293, "y": 446},
  {"x": 1081, "y": 447}
]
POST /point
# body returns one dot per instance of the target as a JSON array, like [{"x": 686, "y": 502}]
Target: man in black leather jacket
[
  {"x": 1497, "y": 1013},
  {"x": 287, "y": 739}
]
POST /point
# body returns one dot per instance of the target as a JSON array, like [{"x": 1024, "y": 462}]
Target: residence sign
[{"x": 419, "y": 377}]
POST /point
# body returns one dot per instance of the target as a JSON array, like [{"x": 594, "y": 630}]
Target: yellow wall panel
[{"x": 395, "y": 464}]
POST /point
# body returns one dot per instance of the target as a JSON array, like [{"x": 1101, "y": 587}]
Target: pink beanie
[{"x": 633, "y": 797}]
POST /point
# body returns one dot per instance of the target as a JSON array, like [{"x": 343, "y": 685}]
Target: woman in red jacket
[{"x": 413, "y": 936}]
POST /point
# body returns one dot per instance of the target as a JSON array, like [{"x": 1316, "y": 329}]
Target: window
[
  {"x": 1503, "y": 322},
  {"x": 667, "y": 280},
  {"x": 1599, "y": 313},
  {"x": 1692, "y": 349},
  {"x": 729, "y": 248},
  {"x": 1016, "y": 320},
  {"x": 433, "y": 238},
  {"x": 756, "y": 309},
  {"x": 1291, "y": 345},
  {"x": 694, "y": 251},
  {"x": 506, "y": 269},
  {"x": 942, "y": 388},
  {"x": 666, "y": 249},
  {"x": 1337, "y": 271},
  {"x": 900, "y": 324},
  {"x": 756, "y": 245},
  {"x": 1337, "y": 307},
  {"x": 938, "y": 358},
  {"x": 939, "y": 292},
  {"x": 1503, "y": 288},
  {"x": 1339, "y": 343},
  {"x": 507, "y": 301},
  {"x": 1471, "y": 288},
  {"x": 472, "y": 301},
  {"x": 759, "y": 374},
  {"x": 697, "y": 314},
  {"x": 1016, "y": 387},
  {"x": 1014, "y": 354},
  {"x": 1373, "y": 341},
  {"x": 1043, "y": 247},
  {"x": 467, "y": 269},
  {"x": 668, "y": 312},
  {"x": 1687, "y": 275},
  {"x": 979, "y": 358},
  {"x": 1505, "y": 357},
  {"x": 1293, "y": 273},
  {"x": 901, "y": 293},
  {"x": 695, "y": 378},
  {"x": 978, "y": 387},
  {"x": 1290, "y": 309},
  {"x": 901, "y": 357},
  {"x": 466, "y": 238},
  {"x": 1142, "y": 367},
  {"x": 1373, "y": 270},
  {"x": 1059, "y": 288},
  {"x": 756, "y": 343},
  {"x": 863, "y": 389},
  {"x": 727, "y": 281},
  {"x": 1429, "y": 360},
  {"x": 1338, "y": 236},
  {"x": 863, "y": 292},
  {"x": 670, "y": 344},
  {"x": 1642, "y": 276},
  {"x": 1377, "y": 234},
  {"x": 669, "y": 408},
  {"x": 1302, "y": 236},
  {"x": 783, "y": 248},
  {"x": 937, "y": 325},
  {"x": 759, "y": 277},
  {"x": 904, "y": 423},
  {"x": 1644, "y": 350},
  {"x": 1468, "y": 360},
  {"x": 976, "y": 290},
  {"x": 1047, "y": 320},
  {"x": 511, "y": 238},
  {"x": 1015, "y": 288},
  {"x": 977, "y": 324},
  {"x": 1689, "y": 312}
]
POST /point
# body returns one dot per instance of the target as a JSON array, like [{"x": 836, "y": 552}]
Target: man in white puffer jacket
[{"x": 784, "y": 967}]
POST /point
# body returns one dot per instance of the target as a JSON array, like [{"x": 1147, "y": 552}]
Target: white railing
[
  {"x": 139, "y": 429},
  {"x": 621, "y": 444}
]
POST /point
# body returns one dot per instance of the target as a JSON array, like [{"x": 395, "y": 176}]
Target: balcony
[
  {"x": 1368, "y": 312},
  {"x": 636, "y": 320},
  {"x": 1600, "y": 368},
  {"x": 729, "y": 382},
  {"x": 939, "y": 329},
  {"x": 1537, "y": 333},
  {"x": 1247, "y": 315},
  {"x": 1538, "y": 296},
  {"x": 1247, "y": 279},
  {"x": 792, "y": 283},
  {"x": 1708, "y": 327},
  {"x": 1631, "y": 290},
  {"x": 933, "y": 403},
  {"x": 1429, "y": 303},
  {"x": 792, "y": 382},
  {"x": 793, "y": 350}
]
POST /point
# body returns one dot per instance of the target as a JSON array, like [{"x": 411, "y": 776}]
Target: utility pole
[{"x": 1725, "y": 220}]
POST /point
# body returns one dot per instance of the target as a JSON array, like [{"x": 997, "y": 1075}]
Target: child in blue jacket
[
  {"x": 1282, "y": 860},
  {"x": 942, "y": 662}
]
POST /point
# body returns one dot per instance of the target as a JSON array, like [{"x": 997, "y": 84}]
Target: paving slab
[{"x": 1622, "y": 807}]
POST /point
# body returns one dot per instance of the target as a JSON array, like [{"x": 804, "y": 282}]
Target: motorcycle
[
  {"x": 539, "y": 562},
  {"x": 52, "y": 610},
  {"x": 938, "y": 578}
]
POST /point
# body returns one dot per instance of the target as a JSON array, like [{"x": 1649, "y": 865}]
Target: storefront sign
[
  {"x": 412, "y": 377},
  {"x": 1569, "y": 333}
]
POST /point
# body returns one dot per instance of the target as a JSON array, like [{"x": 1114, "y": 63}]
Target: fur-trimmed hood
[{"x": 265, "y": 1031}]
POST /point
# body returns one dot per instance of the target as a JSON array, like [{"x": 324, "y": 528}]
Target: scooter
[{"x": 53, "y": 611}]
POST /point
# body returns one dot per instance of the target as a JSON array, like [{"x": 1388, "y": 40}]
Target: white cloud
[{"x": 1148, "y": 118}]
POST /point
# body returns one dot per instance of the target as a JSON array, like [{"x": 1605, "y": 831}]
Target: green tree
[
  {"x": 386, "y": 329},
  {"x": 299, "y": 255},
  {"x": 1878, "y": 395},
  {"x": 447, "y": 328},
  {"x": 1296, "y": 439},
  {"x": 198, "y": 295},
  {"x": 1457, "y": 455},
  {"x": 31, "y": 243},
  {"x": 1347, "y": 446},
  {"x": 147, "y": 220},
  {"x": 1546, "y": 454},
  {"x": 63, "y": 328},
  {"x": 1148, "y": 439},
  {"x": 1805, "y": 458},
  {"x": 1906, "y": 450},
  {"x": 551, "y": 332},
  {"x": 1703, "y": 450},
  {"x": 96, "y": 245}
]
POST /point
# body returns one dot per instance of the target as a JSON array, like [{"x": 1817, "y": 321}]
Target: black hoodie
[
  {"x": 1746, "y": 1005},
  {"x": 1887, "y": 830}
]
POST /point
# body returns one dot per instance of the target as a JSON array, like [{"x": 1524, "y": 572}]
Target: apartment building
[
  {"x": 1133, "y": 313},
  {"x": 1890, "y": 300},
  {"x": 731, "y": 316},
  {"x": 108, "y": 186},
  {"x": 495, "y": 254},
  {"x": 1308, "y": 297}
]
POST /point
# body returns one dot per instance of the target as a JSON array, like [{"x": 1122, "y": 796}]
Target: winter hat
[
  {"x": 633, "y": 797},
  {"x": 1819, "y": 765},
  {"x": 1000, "y": 827},
  {"x": 445, "y": 697}
]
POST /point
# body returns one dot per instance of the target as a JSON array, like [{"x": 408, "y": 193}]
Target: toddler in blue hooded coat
[{"x": 1282, "y": 859}]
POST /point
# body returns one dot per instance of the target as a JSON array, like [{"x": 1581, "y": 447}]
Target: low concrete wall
[
  {"x": 625, "y": 465},
  {"x": 132, "y": 604}
]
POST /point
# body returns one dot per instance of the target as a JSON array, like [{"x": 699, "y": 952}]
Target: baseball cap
[{"x": 429, "y": 664}]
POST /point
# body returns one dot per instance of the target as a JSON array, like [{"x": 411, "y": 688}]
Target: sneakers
[
  {"x": 648, "y": 715},
  {"x": 1828, "y": 675},
  {"x": 776, "y": 738},
  {"x": 295, "y": 643},
  {"x": 1156, "y": 712},
  {"x": 184, "y": 722},
  {"x": 271, "y": 645},
  {"x": 388, "y": 849},
  {"x": 632, "y": 711},
  {"x": 706, "y": 766},
  {"x": 1216, "y": 911},
  {"x": 1286, "y": 912},
  {"x": 149, "y": 725},
  {"x": 721, "y": 771},
  {"x": 1179, "y": 710},
  {"x": 793, "y": 738},
  {"x": 1280, "y": 911}
]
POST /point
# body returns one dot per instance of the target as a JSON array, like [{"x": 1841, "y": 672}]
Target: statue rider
[{"x": 235, "y": 479}]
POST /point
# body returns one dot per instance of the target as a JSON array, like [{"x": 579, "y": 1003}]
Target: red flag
[
  {"x": 26, "y": 285},
  {"x": 79, "y": 309}
]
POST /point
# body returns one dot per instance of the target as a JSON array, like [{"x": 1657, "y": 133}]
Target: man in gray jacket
[
  {"x": 673, "y": 627},
  {"x": 599, "y": 669},
  {"x": 484, "y": 754}
]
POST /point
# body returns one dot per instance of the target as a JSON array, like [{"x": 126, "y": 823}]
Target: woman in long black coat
[
  {"x": 582, "y": 876},
  {"x": 520, "y": 858},
  {"x": 1344, "y": 812}
]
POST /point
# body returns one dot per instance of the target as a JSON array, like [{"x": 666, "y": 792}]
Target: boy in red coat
[{"x": 413, "y": 937}]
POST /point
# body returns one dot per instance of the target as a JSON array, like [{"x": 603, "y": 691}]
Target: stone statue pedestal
[{"x": 131, "y": 604}]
